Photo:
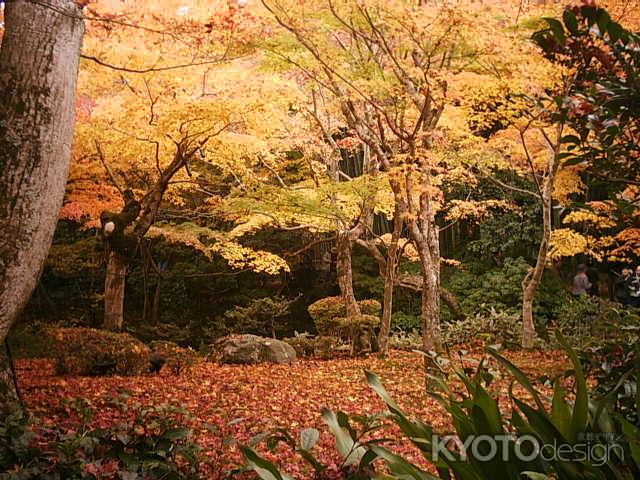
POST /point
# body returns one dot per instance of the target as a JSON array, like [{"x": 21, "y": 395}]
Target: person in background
[
  {"x": 581, "y": 283},
  {"x": 635, "y": 288},
  {"x": 623, "y": 287}
]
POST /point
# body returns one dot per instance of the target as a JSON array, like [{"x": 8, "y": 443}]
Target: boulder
[{"x": 249, "y": 349}]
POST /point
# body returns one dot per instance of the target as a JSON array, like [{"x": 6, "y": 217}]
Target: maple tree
[
  {"x": 157, "y": 138},
  {"x": 393, "y": 83}
]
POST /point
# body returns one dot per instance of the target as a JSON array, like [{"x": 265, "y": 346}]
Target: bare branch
[{"x": 106, "y": 166}]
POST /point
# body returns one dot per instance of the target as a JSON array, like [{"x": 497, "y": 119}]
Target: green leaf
[
  {"x": 580, "y": 417},
  {"x": 318, "y": 467},
  {"x": 557, "y": 29},
  {"x": 603, "y": 20},
  {"x": 348, "y": 449},
  {"x": 616, "y": 32},
  {"x": 560, "y": 410},
  {"x": 632, "y": 434},
  {"x": 264, "y": 468},
  {"x": 535, "y": 476},
  {"x": 400, "y": 467},
  {"x": 177, "y": 433},
  {"x": 570, "y": 21},
  {"x": 570, "y": 139},
  {"x": 309, "y": 438},
  {"x": 519, "y": 376}
]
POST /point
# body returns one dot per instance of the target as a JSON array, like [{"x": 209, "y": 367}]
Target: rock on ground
[{"x": 250, "y": 349}]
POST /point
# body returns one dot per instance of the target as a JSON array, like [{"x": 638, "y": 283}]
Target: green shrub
[
  {"x": 326, "y": 311},
  {"x": 489, "y": 326},
  {"x": 149, "y": 332},
  {"x": 330, "y": 317},
  {"x": 611, "y": 356},
  {"x": 175, "y": 358},
  {"x": 87, "y": 351},
  {"x": 303, "y": 344},
  {"x": 500, "y": 289},
  {"x": 150, "y": 443},
  {"x": 588, "y": 321},
  {"x": 370, "y": 307},
  {"x": 322, "y": 347},
  {"x": 405, "y": 322},
  {"x": 261, "y": 316}
]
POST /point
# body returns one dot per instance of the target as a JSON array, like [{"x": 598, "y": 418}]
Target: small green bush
[
  {"x": 322, "y": 347},
  {"x": 489, "y": 326},
  {"x": 403, "y": 322},
  {"x": 370, "y": 307},
  {"x": 326, "y": 311},
  {"x": 303, "y": 344},
  {"x": 174, "y": 357},
  {"x": 261, "y": 316},
  {"x": 87, "y": 351}
]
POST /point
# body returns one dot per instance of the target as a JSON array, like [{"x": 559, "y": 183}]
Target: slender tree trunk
[
  {"x": 533, "y": 278},
  {"x": 38, "y": 74},
  {"x": 345, "y": 273},
  {"x": 389, "y": 284},
  {"x": 114, "y": 288},
  {"x": 145, "y": 287},
  {"x": 452, "y": 303},
  {"x": 155, "y": 314}
]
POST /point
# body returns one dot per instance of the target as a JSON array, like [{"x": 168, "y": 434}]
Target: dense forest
[{"x": 323, "y": 239}]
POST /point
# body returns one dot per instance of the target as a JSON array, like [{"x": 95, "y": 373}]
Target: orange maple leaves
[{"x": 243, "y": 401}]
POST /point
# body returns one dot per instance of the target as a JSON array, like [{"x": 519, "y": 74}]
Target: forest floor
[{"x": 259, "y": 398}]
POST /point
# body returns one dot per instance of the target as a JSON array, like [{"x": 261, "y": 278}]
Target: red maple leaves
[{"x": 243, "y": 401}]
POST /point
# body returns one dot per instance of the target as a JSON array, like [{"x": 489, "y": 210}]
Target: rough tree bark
[
  {"x": 430, "y": 312},
  {"x": 426, "y": 239},
  {"x": 344, "y": 245},
  {"x": 38, "y": 73},
  {"x": 114, "y": 288},
  {"x": 390, "y": 270}
]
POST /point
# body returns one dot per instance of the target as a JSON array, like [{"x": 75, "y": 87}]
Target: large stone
[{"x": 249, "y": 349}]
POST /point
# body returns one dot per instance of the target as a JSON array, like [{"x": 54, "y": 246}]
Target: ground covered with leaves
[{"x": 234, "y": 403}]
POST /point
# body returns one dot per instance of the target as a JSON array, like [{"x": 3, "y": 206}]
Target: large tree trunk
[
  {"x": 114, "y": 288},
  {"x": 345, "y": 273},
  {"x": 38, "y": 74},
  {"x": 430, "y": 312}
]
